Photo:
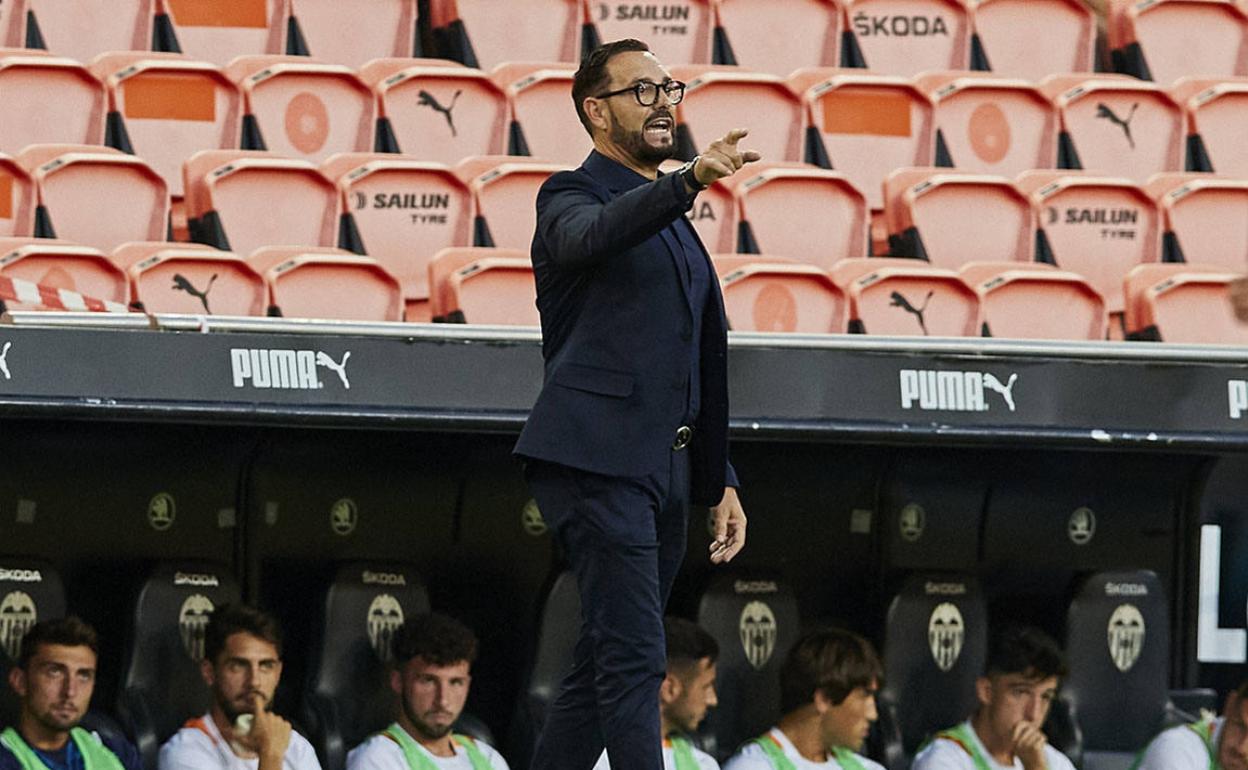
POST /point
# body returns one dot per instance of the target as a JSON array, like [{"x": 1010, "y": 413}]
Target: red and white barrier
[{"x": 27, "y": 293}]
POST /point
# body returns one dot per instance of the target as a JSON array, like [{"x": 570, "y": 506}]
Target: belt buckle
[{"x": 683, "y": 435}]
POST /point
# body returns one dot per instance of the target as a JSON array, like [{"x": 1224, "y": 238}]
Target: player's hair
[
  {"x": 230, "y": 619},
  {"x": 687, "y": 644},
  {"x": 436, "y": 638},
  {"x": 831, "y": 660},
  {"x": 1026, "y": 650},
  {"x": 71, "y": 631},
  {"x": 592, "y": 76}
]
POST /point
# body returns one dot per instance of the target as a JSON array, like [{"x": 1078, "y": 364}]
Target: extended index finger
[{"x": 736, "y": 135}]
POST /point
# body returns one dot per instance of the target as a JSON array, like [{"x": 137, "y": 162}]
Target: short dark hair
[
  {"x": 438, "y": 639},
  {"x": 230, "y": 619},
  {"x": 1025, "y": 650},
  {"x": 687, "y": 643},
  {"x": 592, "y": 76},
  {"x": 832, "y": 660},
  {"x": 70, "y": 631}
]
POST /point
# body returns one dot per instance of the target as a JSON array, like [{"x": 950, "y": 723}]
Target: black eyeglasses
[{"x": 647, "y": 93}]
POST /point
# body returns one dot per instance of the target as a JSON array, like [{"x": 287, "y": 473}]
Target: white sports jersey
[
  {"x": 1179, "y": 748},
  {"x": 944, "y": 754},
  {"x": 382, "y": 753},
  {"x": 705, "y": 761},
  {"x": 751, "y": 757},
  {"x": 200, "y": 746}
]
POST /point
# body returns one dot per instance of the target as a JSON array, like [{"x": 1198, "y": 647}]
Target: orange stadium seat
[
  {"x": 504, "y": 191},
  {"x": 541, "y": 123},
  {"x": 301, "y": 108},
  {"x": 239, "y": 200},
  {"x": 328, "y": 283},
  {"x": 1035, "y": 301},
  {"x": 17, "y": 199},
  {"x": 1165, "y": 40},
  {"x": 436, "y": 110},
  {"x": 164, "y": 108},
  {"x": 1216, "y": 111},
  {"x": 48, "y": 99},
  {"x": 808, "y": 214},
  {"x": 1204, "y": 219},
  {"x": 1182, "y": 303},
  {"x": 401, "y": 212},
  {"x": 1116, "y": 125},
  {"x": 484, "y": 286},
  {"x": 774, "y": 294},
  {"x": 63, "y": 265},
  {"x": 85, "y": 28},
  {"x": 378, "y": 28},
  {"x": 906, "y": 297},
  {"x": 190, "y": 278},
  {"x": 223, "y": 29},
  {"x": 780, "y": 39},
  {"x": 906, "y": 37},
  {"x": 1099, "y": 227},
  {"x": 989, "y": 124},
  {"x": 522, "y": 30},
  {"x": 678, "y": 31},
  {"x": 96, "y": 196},
  {"x": 714, "y": 215},
  {"x": 951, "y": 217},
  {"x": 1034, "y": 38},
  {"x": 719, "y": 99},
  {"x": 864, "y": 125}
]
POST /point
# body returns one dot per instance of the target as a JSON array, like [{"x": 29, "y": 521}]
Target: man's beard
[
  {"x": 634, "y": 143},
  {"x": 431, "y": 732}
]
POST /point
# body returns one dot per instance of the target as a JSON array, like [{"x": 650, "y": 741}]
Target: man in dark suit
[{"x": 632, "y": 423}]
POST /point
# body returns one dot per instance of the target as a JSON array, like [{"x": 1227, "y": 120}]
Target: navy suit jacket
[{"x": 617, "y": 329}]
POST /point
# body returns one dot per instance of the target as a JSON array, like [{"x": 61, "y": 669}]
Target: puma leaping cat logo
[
  {"x": 429, "y": 100},
  {"x": 903, "y": 303},
  {"x": 340, "y": 369},
  {"x": 180, "y": 283},
  {"x": 4, "y": 364},
  {"x": 1006, "y": 390},
  {"x": 1103, "y": 111}
]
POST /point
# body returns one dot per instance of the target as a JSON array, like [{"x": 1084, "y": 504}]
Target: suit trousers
[{"x": 624, "y": 539}]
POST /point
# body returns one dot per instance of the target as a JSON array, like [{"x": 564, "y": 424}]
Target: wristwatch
[{"x": 691, "y": 179}]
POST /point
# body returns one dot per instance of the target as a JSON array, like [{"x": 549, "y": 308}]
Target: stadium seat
[
  {"x": 936, "y": 643},
  {"x": 1168, "y": 39},
  {"x": 483, "y": 286},
  {"x": 86, "y": 28},
  {"x": 222, "y": 30},
  {"x": 31, "y": 591},
  {"x": 349, "y": 695},
  {"x": 1203, "y": 219},
  {"x": 241, "y": 201},
  {"x": 1215, "y": 110},
  {"x": 379, "y": 28},
  {"x": 504, "y": 191},
  {"x": 17, "y": 199},
  {"x": 326, "y": 283},
  {"x": 1116, "y": 125},
  {"x": 906, "y": 37},
  {"x": 165, "y": 108},
  {"x": 436, "y": 111},
  {"x": 779, "y": 40},
  {"x": 191, "y": 278},
  {"x": 301, "y": 108},
  {"x": 906, "y": 297},
  {"x": 864, "y": 126},
  {"x": 529, "y": 30},
  {"x": 96, "y": 196},
  {"x": 12, "y": 26},
  {"x": 161, "y": 685},
  {"x": 1034, "y": 38},
  {"x": 558, "y": 627},
  {"x": 541, "y": 124},
  {"x": 774, "y": 294},
  {"x": 1097, "y": 226},
  {"x": 988, "y": 124},
  {"x": 717, "y": 99},
  {"x": 809, "y": 214},
  {"x": 48, "y": 99},
  {"x": 949, "y": 217},
  {"x": 400, "y": 212},
  {"x": 678, "y": 32},
  {"x": 1182, "y": 303},
  {"x": 1035, "y": 301},
  {"x": 63, "y": 265}
]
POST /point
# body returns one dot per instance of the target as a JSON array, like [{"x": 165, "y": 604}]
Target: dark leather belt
[{"x": 684, "y": 434}]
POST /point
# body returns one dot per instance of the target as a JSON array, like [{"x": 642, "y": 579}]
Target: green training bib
[
  {"x": 95, "y": 755},
  {"x": 416, "y": 757}
]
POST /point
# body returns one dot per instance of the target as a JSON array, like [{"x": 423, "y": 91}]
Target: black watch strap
[{"x": 691, "y": 179}]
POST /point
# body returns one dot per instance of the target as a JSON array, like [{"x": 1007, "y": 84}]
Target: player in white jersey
[
  {"x": 827, "y": 695},
  {"x": 1208, "y": 744},
  {"x": 1024, "y": 669}
]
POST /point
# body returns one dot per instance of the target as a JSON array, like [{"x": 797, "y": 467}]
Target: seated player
[
  {"x": 433, "y": 657},
  {"x": 1210, "y": 743},
  {"x": 1024, "y": 669},
  {"x": 54, "y": 678},
  {"x": 827, "y": 693}
]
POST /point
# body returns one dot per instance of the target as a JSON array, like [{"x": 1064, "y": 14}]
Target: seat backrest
[
  {"x": 678, "y": 32},
  {"x": 1118, "y": 646},
  {"x": 30, "y": 591},
  {"x": 1034, "y": 38},
  {"x": 348, "y": 696},
  {"x": 378, "y": 29},
  {"x": 1204, "y": 219},
  {"x": 755, "y": 619},
  {"x": 495, "y": 290},
  {"x": 717, "y": 97},
  {"x": 906, "y": 37},
  {"x": 1036, "y": 301},
  {"x": 83, "y": 30},
  {"x": 161, "y": 685},
  {"x": 17, "y": 199},
  {"x": 907, "y": 297},
  {"x": 767, "y": 295},
  {"x": 328, "y": 283},
  {"x": 48, "y": 99},
  {"x": 1166, "y": 40},
  {"x": 529, "y": 30},
  {"x": 1182, "y": 303},
  {"x": 447, "y": 264},
  {"x": 505, "y": 192},
  {"x": 1215, "y": 109},
  {"x": 218, "y": 32},
  {"x": 191, "y": 278},
  {"x": 538, "y": 95},
  {"x": 779, "y": 39},
  {"x": 63, "y": 265}
]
